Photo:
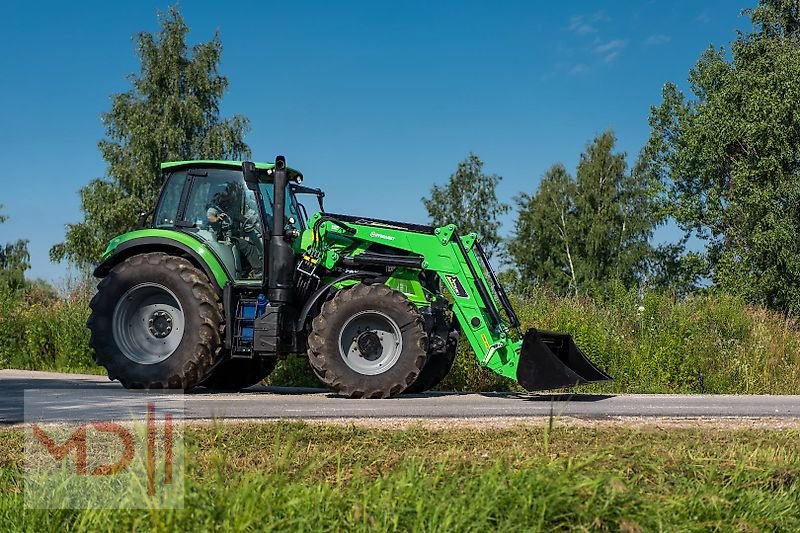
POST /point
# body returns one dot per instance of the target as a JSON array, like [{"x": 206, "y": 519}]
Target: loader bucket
[{"x": 550, "y": 360}]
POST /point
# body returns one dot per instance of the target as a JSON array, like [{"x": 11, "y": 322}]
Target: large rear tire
[
  {"x": 237, "y": 374},
  {"x": 155, "y": 323},
  {"x": 368, "y": 341}
]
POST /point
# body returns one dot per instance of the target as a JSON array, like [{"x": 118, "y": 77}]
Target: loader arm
[{"x": 538, "y": 360}]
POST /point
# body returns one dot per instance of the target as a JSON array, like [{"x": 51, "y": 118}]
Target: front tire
[
  {"x": 368, "y": 341},
  {"x": 155, "y": 323}
]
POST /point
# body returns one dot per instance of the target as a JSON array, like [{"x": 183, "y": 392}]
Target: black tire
[
  {"x": 437, "y": 367},
  {"x": 237, "y": 374},
  {"x": 404, "y": 359},
  {"x": 112, "y": 326}
]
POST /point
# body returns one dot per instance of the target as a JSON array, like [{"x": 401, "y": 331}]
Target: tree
[
  {"x": 730, "y": 155},
  {"x": 545, "y": 239},
  {"x": 170, "y": 113},
  {"x": 469, "y": 200},
  {"x": 578, "y": 234},
  {"x": 14, "y": 261}
]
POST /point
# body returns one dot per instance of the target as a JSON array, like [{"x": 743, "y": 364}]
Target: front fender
[{"x": 162, "y": 240}]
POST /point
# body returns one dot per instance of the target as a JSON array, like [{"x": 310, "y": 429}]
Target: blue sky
[{"x": 373, "y": 101}]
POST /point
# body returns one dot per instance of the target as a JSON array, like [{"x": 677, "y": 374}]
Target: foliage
[
  {"x": 469, "y": 200},
  {"x": 293, "y": 372},
  {"x": 544, "y": 245},
  {"x": 575, "y": 235},
  {"x": 14, "y": 261},
  {"x": 730, "y": 153},
  {"x": 656, "y": 343},
  {"x": 171, "y": 113},
  {"x": 710, "y": 343},
  {"x": 41, "y": 331}
]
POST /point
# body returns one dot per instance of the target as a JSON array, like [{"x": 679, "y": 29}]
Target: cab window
[
  {"x": 292, "y": 215},
  {"x": 167, "y": 210},
  {"x": 224, "y": 212},
  {"x": 221, "y": 211}
]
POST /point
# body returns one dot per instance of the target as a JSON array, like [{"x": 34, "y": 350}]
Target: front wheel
[
  {"x": 368, "y": 341},
  {"x": 155, "y": 323}
]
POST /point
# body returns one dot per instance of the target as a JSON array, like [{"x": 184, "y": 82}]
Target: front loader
[{"x": 231, "y": 275}]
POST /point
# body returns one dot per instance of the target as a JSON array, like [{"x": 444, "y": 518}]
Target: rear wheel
[
  {"x": 368, "y": 341},
  {"x": 236, "y": 374},
  {"x": 155, "y": 323}
]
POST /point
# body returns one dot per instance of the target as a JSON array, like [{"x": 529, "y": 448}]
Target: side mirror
[{"x": 250, "y": 175}]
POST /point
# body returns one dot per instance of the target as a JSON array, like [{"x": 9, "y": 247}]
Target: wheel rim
[
  {"x": 370, "y": 342},
  {"x": 148, "y": 323}
]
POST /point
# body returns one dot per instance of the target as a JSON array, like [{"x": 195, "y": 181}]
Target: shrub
[{"x": 41, "y": 331}]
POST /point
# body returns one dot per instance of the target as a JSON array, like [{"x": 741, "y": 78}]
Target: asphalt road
[{"x": 57, "y": 397}]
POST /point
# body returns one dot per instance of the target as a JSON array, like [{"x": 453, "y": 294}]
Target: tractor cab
[{"x": 211, "y": 201}]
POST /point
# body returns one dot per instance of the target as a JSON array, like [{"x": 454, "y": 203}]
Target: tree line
[
  {"x": 577, "y": 233},
  {"x": 722, "y": 163}
]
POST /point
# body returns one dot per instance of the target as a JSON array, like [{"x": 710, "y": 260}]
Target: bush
[
  {"x": 41, "y": 331},
  {"x": 712, "y": 343}
]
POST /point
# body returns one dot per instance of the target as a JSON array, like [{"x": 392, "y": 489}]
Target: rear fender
[{"x": 170, "y": 242}]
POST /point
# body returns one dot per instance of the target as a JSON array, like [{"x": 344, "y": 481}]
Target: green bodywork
[{"x": 496, "y": 348}]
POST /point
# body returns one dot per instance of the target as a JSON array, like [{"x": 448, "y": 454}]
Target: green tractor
[{"x": 228, "y": 275}]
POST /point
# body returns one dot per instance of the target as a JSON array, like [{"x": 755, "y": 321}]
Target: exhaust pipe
[
  {"x": 281, "y": 257},
  {"x": 551, "y": 360}
]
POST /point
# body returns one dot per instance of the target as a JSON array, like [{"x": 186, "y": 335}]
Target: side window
[
  {"x": 267, "y": 193},
  {"x": 167, "y": 210},
  {"x": 223, "y": 212},
  {"x": 199, "y": 199},
  {"x": 293, "y": 212}
]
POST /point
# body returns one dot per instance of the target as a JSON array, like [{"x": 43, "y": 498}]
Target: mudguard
[{"x": 151, "y": 240}]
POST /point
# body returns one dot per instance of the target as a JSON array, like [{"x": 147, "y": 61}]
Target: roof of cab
[{"x": 232, "y": 164}]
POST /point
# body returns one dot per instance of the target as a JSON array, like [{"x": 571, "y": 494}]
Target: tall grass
[
  {"x": 703, "y": 344},
  {"x": 651, "y": 343},
  {"x": 710, "y": 343},
  {"x": 41, "y": 330}
]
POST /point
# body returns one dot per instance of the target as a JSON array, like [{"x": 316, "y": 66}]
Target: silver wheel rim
[
  {"x": 370, "y": 342},
  {"x": 148, "y": 323}
]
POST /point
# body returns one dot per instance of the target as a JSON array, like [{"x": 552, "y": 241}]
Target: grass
[{"x": 299, "y": 477}]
